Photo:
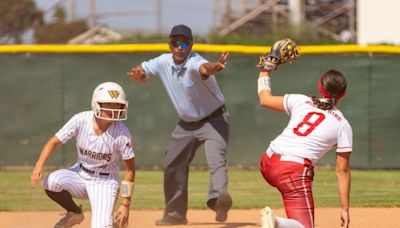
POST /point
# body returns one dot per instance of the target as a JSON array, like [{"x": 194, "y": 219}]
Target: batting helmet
[{"x": 110, "y": 92}]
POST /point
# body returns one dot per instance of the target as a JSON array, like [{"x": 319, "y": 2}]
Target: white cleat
[
  {"x": 70, "y": 219},
  {"x": 268, "y": 219}
]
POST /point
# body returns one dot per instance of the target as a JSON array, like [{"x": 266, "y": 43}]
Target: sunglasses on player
[{"x": 178, "y": 43}]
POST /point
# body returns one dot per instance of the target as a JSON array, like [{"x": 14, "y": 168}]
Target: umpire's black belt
[
  {"x": 91, "y": 171},
  {"x": 216, "y": 113}
]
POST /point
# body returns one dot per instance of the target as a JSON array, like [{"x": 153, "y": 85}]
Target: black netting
[{"x": 40, "y": 92}]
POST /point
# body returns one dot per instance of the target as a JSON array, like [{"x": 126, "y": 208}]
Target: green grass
[{"x": 374, "y": 188}]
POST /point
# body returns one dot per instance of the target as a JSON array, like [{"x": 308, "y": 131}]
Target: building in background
[
  {"x": 97, "y": 35},
  {"x": 378, "y": 22}
]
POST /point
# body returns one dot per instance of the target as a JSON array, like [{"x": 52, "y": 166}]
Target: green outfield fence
[{"x": 42, "y": 86}]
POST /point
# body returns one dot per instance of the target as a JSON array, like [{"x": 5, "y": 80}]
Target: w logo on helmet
[{"x": 113, "y": 94}]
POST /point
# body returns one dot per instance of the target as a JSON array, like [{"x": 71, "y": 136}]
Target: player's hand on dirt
[
  {"x": 137, "y": 74},
  {"x": 36, "y": 175},
  {"x": 344, "y": 219},
  {"x": 121, "y": 217}
]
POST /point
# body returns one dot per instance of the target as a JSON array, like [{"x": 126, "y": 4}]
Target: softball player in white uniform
[
  {"x": 315, "y": 126},
  {"x": 101, "y": 142}
]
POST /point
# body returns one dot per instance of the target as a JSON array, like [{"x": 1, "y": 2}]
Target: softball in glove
[{"x": 283, "y": 51}]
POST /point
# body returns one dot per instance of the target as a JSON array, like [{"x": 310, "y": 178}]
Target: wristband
[
  {"x": 127, "y": 188},
  {"x": 264, "y": 83}
]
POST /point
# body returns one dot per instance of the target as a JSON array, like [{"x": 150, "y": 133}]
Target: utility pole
[
  {"x": 296, "y": 10},
  {"x": 73, "y": 10},
  {"x": 214, "y": 15},
  {"x": 245, "y": 7},
  {"x": 92, "y": 14},
  {"x": 159, "y": 16},
  {"x": 228, "y": 11},
  {"x": 352, "y": 20}
]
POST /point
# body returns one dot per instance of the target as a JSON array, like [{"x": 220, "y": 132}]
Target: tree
[
  {"x": 59, "y": 31},
  {"x": 16, "y": 17},
  {"x": 59, "y": 14}
]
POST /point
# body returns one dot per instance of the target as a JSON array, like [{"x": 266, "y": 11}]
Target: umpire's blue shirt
[{"x": 194, "y": 96}]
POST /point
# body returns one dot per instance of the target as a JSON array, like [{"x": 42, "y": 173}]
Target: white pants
[{"x": 102, "y": 191}]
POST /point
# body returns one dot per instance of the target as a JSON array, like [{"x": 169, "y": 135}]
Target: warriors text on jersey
[
  {"x": 100, "y": 153},
  {"x": 311, "y": 132}
]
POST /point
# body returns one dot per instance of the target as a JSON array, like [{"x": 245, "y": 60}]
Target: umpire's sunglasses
[{"x": 178, "y": 43}]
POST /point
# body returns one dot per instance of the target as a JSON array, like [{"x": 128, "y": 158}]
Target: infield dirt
[{"x": 324, "y": 218}]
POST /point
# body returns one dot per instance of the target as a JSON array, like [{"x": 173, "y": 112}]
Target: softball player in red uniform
[
  {"x": 102, "y": 141},
  {"x": 315, "y": 126}
]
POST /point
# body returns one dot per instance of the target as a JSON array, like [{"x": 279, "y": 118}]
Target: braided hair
[{"x": 332, "y": 85}]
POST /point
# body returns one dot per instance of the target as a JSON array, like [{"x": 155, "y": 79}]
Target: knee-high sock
[{"x": 64, "y": 199}]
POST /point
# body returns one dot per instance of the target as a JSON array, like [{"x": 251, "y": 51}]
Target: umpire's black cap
[{"x": 181, "y": 30}]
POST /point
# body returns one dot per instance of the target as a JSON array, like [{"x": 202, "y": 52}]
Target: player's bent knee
[{"x": 52, "y": 183}]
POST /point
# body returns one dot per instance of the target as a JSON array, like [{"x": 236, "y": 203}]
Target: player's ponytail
[
  {"x": 324, "y": 103},
  {"x": 332, "y": 86}
]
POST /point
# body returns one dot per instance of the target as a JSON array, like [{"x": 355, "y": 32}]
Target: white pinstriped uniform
[{"x": 101, "y": 154}]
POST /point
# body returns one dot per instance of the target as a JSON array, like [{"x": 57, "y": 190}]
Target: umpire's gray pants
[{"x": 185, "y": 139}]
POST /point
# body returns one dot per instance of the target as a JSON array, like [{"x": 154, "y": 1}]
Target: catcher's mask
[{"x": 110, "y": 92}]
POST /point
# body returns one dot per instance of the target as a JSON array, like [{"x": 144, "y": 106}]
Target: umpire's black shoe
[
  {"x": 222, "y": 206},
  {"x": 170, "y": 221}
]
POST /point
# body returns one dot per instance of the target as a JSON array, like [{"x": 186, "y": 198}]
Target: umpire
[{"x": 191, "y": 85}]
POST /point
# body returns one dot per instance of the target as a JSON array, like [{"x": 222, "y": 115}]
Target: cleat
[
  {"x": 268, "y": 219},
  {"x": 70, "y": 219}
]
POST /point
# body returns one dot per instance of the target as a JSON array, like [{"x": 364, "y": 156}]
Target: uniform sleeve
[
  {"x": 345, "y": 139},
  {"x": 126, "y": 147},
  {"x": 151, "y": 67},
  {"x": 196, "y": 61},
  {"x": 285, "y": 104},
  {"x": 69, "y": 130},
  {"x": 290, "y": 101}
]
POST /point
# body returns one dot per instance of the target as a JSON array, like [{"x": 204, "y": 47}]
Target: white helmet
[{"x": 109, "y": 92}]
